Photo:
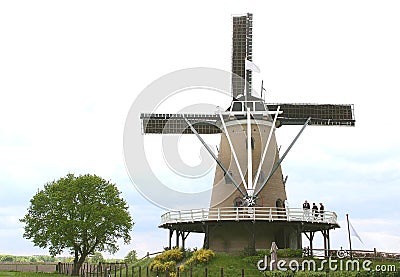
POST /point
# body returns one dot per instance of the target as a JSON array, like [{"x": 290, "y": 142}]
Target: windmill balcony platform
[{"x": 266, "y": 214}]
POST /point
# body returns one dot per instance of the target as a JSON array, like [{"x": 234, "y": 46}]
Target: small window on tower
[
  {"x": 279, "y": 203},
  {"x": 261, "y": 178}
]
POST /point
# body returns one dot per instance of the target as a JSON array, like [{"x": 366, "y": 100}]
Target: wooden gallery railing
[{"x": 249, "y": 213}]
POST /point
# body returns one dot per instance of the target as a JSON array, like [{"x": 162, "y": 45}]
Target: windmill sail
[{"x": 242, "y": 50}]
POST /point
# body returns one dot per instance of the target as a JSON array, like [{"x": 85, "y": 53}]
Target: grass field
[
  {"x": 27, "y": 274},
  {"x": 232, "y": 267}
]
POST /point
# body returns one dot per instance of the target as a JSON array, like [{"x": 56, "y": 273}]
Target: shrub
[
  {"x": 166, "y": 260},
  {"x": 260, "y": 256},
  {"x": 201, "y": 256},
  {"x": 182, "y": 268},
  {"x": 156, "y": 266},
  {"x": 170, "y": 255},
  {"x": 290, "y": 253}
]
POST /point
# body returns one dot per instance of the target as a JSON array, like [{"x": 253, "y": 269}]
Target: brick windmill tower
[{"x": 247, "y": 207}]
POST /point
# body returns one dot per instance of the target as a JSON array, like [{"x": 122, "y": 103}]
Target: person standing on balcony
[
  {"x": 306, "y": 210},
  {"x": 314, "y": 211},
  {"x": 321, "y": 211}
]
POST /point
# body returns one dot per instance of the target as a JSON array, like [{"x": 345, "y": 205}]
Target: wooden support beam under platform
[
  {"x": 181, "y": 235},
  {"x": 234, "y": 236}
]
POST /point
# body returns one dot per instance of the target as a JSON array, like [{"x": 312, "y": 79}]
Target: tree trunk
[
  {"x": 78, "y": 262},
  {"x": 77, "y": 267}
]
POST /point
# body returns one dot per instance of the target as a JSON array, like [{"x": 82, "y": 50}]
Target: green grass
[
  {"x": 232, "y": 268},
  {"x": 27, "y": 274},
  {"x": 234, "y": 264}
]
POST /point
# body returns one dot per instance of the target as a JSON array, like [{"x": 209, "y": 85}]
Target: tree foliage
[
  {"x": 131, "y": 257},
  {"x": 96, "y": 258},
  {"x": 28, "y": 259},
  {"x": 84, "y": 214}
]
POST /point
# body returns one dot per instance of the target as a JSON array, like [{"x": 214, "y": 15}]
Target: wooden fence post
[
  {"x": 206, "y": 272},
  {"x": 242, "y": 272},
  {"x": 191, "y": 271},
  {"x": 140, "y": 271},
  {"x": 222, "y": 272}
]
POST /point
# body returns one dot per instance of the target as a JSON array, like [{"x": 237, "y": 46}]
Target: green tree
[
  {"x": 96, "y": 258},
  {"x": 84, "y": 214},
  {"x": 7, "y": 258},
  {"x": 131, "y": 257}
]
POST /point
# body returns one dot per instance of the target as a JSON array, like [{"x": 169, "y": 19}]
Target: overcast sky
[{"x": 70, "y": 70}]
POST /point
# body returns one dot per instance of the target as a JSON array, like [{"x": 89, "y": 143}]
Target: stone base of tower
[{"x": 239, "y": 237}]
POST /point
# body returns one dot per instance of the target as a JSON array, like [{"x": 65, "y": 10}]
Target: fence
[
  {"x": 248, "y": 213},
  {"x": 123, "y": 270},
  {"x": 356, "y": 254}
]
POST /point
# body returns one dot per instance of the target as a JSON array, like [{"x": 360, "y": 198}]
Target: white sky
[{"x": 69, "y": 71}]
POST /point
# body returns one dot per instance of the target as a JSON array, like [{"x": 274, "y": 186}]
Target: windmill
[{"x": 247, "y": 206}]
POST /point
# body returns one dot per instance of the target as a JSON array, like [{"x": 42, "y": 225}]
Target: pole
[
  {"x": 348, "y": 231},
  {"x": 214, "y": 157},
  {"x": 282, "y": 158},
  {"x": 245, "y": 83},
  {"x": 232, "y": 149},
  {"x": 266, "y": 146},
  {"x": 250, "y": 188}
]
